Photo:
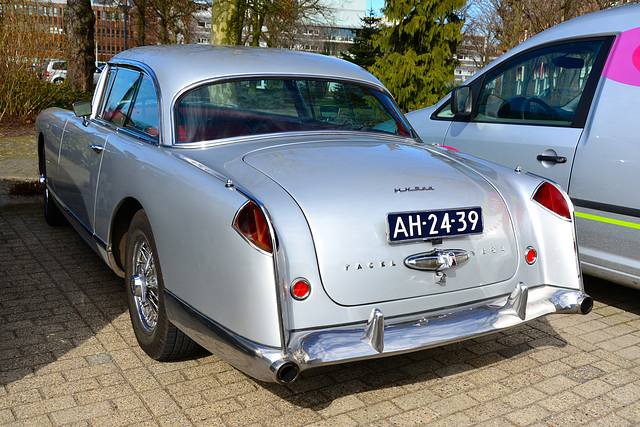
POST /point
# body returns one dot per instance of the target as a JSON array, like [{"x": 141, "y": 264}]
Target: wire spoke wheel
[
  {"x": 157, "y": 336},
  {"x": 145, "y": 285}
]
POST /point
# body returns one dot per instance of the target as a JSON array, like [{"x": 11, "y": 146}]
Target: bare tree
[
  {"x": 506, "y": 23},
  {"x": 276, "y": 23},
  {"x": 173, "y": 18},
  {"x": 481, "y": 33},
  {"x": 79, "y": 21}
]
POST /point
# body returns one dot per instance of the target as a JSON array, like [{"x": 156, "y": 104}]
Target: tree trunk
[
  {"x": 141, "y": 6},
  {"x": 81, "y": 59}
]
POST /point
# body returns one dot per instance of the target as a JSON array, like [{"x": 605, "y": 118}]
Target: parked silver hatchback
[{"x": 563, "y": 105}]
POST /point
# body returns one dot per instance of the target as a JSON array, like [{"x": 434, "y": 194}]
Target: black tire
[
  {"x": 158, "y": 337},
  {"x": 52, "y": 214}
]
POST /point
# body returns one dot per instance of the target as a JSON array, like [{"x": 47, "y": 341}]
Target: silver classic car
[{"x": 276, "y": 208}]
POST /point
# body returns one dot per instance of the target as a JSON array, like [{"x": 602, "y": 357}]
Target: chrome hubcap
[{"x": 144, "y": 285}]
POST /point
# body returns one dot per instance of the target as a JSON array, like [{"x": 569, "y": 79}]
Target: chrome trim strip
[
  {"x": 276, "y": 253},
  {"x": 259, "y": 361},
  {"x": 374, "y": 337}
]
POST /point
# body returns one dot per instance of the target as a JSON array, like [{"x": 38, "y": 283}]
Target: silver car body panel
[
  {"x": 326, "y": 195},
  {"x": 602, "y": 156},
  {"x": 359, "y": 272}
]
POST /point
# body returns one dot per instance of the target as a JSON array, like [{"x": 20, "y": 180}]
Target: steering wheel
[{"x": 526, "y": 107}]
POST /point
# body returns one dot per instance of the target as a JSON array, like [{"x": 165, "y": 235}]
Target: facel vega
[{"x": 249, "y": 197}]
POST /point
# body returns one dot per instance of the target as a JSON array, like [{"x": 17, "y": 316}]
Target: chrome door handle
[
  {"x": 96, "y": 147},
  {"x": 556, "y": 159}
]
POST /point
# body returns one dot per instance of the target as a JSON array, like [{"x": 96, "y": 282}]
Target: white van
[{"x": 564, "y": 105}]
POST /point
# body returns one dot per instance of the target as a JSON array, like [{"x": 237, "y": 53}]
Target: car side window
[
  {"x": 132, "y": 102},
  {"x": 144, "y": 114},
  {"x": 445, "y": 112},
  {"x": 541, "y": 87}
]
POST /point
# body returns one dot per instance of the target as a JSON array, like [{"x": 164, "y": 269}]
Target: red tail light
[
  {"x": 252, "y": 224},
  {"x": 552, "y": 198}
]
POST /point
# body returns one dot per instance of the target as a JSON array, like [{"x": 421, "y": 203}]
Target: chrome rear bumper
[{"x": 379, "y": 336}]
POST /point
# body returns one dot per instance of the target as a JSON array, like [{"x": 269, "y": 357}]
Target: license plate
[{"x": 424, "y": 225}]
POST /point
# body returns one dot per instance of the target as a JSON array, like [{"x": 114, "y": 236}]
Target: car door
[
  {"x": 85, "y": 143},
  {"x": 81, "y": 151},
  {"x": 530, "y": 110},
  {"x": 132, "y": 110}
]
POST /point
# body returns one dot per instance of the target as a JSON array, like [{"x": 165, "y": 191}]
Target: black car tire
[{"x": 156, "y": 335}]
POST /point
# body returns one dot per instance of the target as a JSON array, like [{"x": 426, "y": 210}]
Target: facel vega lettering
[
  {"x": 369, "y": 265},
  {"x": 407, "y": 189}
]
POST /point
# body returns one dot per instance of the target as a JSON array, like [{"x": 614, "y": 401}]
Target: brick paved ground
[{"x": 68, "y": 356}]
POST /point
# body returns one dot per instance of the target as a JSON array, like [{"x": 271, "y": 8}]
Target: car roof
[{"x": 180, "y": 66}]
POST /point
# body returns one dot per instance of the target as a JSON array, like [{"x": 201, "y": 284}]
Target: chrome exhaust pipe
[
  {"x": 287, "y": 372},
  {"x": 585, "y": 304}
]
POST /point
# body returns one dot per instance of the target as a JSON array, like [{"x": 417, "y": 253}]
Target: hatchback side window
[{"x": 541, "y": 87}]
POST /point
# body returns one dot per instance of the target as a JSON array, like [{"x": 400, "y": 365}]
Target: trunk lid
[{"x": 347, "y": 189}]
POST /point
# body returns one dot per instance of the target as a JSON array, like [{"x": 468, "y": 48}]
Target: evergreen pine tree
[
  {"x": 362, "y": 51},
  {"x": 416, "y": 61}
]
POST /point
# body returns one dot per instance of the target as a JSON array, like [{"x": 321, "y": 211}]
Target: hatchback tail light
[
  {"x": 549, "y": 196},
  {"x": 251, "y": 223}
]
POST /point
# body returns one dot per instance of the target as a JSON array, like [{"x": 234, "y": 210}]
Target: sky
[{"x": 376, "y": 5}]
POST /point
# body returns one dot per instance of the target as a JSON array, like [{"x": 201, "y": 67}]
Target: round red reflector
[
  {"x": 300, "y": 289},
  {"x": 531, "y": 255}
]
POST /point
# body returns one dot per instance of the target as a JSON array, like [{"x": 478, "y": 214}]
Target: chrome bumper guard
[{"x": 377, "y": 337}]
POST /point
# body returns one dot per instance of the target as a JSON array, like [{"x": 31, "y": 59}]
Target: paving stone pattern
[{"x": 68, "y": 357}]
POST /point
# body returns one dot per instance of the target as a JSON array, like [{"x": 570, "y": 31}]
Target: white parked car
[
  {"x": 55, "y": 71},
  {"x": 563, "y": 105}
]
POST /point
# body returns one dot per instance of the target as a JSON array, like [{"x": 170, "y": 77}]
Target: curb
[
  {"x": 11, "y": 202},
  {"x": 15, "y": 170}
]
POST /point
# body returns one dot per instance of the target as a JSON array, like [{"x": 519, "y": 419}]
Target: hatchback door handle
[
  {"x": 96, "y": 147},
  {"x": 556, "y": 159}
]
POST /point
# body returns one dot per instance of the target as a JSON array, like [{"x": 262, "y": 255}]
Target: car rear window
[{"x": 253, "y": 107}]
